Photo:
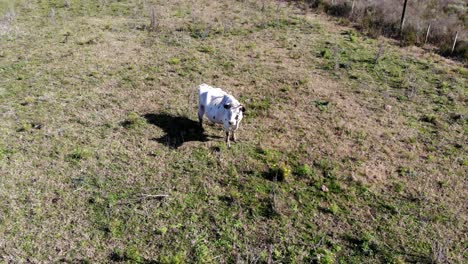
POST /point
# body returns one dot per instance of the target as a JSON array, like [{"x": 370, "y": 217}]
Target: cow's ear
[
  {"x": 227, "y": 106},
  {"x": 243, "y": 109}
]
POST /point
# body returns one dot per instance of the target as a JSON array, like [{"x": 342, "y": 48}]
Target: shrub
[
  {"x": 324, "y": 256},
  {"x": 461, "y": 50},
  {"x": 321, "y": 4},
  {"x": 409, "y": 36},
  {"x": 340, "y": 9},
  {"x": 278, "y": 172}
]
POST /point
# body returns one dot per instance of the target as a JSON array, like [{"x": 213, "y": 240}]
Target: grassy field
[{"x": 352, "y": 150}]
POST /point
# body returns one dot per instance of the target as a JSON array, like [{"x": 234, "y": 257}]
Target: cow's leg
[
  {"x": 234, "y": 132},
  {"x": 227, "y": 139},
  {"x": 201, "y": 112}
]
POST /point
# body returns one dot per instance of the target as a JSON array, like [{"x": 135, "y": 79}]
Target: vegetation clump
[
  {"x": 134, "y": 121},
  {"x": 278, "y": 172}
]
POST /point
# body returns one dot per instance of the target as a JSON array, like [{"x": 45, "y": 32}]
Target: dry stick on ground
[
  {"x": 67, "y": 34},
  {"x": 378, "y": 54},
  {"x": 318, "y": 243},
  {"x": 278, "y": 7},
  {"x": 52, "y": 15},
  {"x": 142, "y": 195},
  {"x": 439, "y": 251},
  {"x": 191, "y": 102},
  {"x": 270, "y": 254},
  {"x": 411, "y": 90},
  {"x": 336, "y": 51}
]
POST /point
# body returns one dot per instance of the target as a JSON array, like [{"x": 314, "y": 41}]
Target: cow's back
[{"x": 208, "y": 94}]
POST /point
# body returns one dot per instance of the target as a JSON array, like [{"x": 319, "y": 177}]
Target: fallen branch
[
  {"x": 140, "y": 197},
  {"x": 153, "y": 196}
]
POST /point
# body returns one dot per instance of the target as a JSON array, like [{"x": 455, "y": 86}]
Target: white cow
[{"x": 220, "y": 107}]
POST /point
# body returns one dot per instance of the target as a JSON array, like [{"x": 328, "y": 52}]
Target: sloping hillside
[{"x": 352, "y": 150}]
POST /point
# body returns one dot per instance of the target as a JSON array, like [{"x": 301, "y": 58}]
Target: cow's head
[{"x": 234, "y": 113}]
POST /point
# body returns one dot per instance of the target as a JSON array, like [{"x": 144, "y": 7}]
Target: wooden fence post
[
  {"x": 352, "y": 8},
  {"x": 153, "y": 23},
  {"x": 427, "y": 33},
  {"x": 454, "y": 43},
  {"x": 402, "y": 23}
]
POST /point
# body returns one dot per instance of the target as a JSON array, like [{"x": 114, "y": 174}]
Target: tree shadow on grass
[{"x": 178, "y": 129}]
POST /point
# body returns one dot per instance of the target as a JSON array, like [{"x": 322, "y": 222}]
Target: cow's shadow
[{"x": 177, "y": 129}]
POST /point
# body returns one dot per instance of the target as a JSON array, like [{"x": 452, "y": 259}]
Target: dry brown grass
[{"x": 78, "y": 147}]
